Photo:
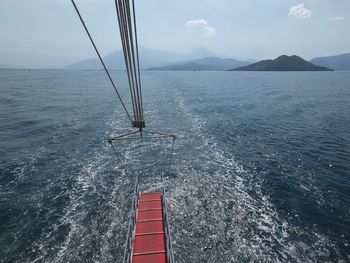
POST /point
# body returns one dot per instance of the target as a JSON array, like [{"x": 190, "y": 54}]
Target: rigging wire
[
  {"x": 126, "y": 53},
  {"x": 128, "y": 34},
  {"x": 137, "y": 56},
  {"x": 101, "y": 60}
]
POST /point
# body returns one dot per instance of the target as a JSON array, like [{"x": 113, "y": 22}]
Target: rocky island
[{"x": 283, "y": 63}]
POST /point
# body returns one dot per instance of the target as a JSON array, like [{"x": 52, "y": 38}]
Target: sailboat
[{"x": 148, "y": 238}]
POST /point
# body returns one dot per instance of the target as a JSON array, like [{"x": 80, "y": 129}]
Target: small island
[{"x": 283, "y": 63}]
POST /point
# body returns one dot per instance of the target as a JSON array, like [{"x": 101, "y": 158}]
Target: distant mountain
[
  {"x": 148, "y": 58},
  {"x": 115, "y": 60},
  {"x": 198, "y": 53},
  {"x": 283, "y": 63},
  {"x": 340, "y": 62},
  {"x": 204, "y": 64},
  {"x": 33, "y": 60}
]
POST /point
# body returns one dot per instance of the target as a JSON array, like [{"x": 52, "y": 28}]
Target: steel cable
[
  {"x": 101, "y": 60},
  {"x": 127, "y": 27}
]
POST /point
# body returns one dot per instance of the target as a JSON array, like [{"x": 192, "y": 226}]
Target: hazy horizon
[{"x": 47, "y": 33}]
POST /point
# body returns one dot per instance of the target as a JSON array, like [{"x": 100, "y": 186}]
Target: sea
[{"x": 260, "y": 170}]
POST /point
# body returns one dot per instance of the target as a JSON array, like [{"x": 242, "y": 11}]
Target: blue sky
[{"x": 48, "y": 32}]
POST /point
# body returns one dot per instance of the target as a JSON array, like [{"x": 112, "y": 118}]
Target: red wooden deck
[{"x": 150, "y": 240}]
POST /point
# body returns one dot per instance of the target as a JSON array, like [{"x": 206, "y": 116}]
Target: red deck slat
[
  {"x": 161, "y": 257},
  {"x": 151, "y": 196},
  {"x": 150, "y": 241},
  {"x": 151, "y": 226},
  {"x": 150, "y": 204},
  {"x": 152, "y": 214}
]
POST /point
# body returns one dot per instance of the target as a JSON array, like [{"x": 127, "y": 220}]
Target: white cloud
[
  {"x": 197, "y": 22},
  {"x": 300, "y": 11},
  {"x": 335, "y": 18},
  {"x": 209, "y": 30}
]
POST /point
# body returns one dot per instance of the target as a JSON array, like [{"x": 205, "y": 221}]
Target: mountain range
[
  {"x": 339, "y": 62},
  {"x": 149, "y": 58},
  {"x": 204, "y": 64},
  {"x": 201, "y": 59},
  {"x": 283, "y": 63}
]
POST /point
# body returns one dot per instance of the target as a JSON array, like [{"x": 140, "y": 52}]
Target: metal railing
[
  {"x": 129, "y": 245},
  {"x": 169, "y": 245}
]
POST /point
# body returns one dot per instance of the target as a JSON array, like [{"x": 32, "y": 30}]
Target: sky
[{"x": 48, "y": 33}]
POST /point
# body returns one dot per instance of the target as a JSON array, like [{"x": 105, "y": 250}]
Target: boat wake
[{"x": 221, "y": 212}]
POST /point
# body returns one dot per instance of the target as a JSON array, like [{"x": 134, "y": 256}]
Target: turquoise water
[{"x": 260, "y": 171}]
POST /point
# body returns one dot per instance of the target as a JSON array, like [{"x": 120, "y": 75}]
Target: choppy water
[{"x": 261, "y": 171}]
